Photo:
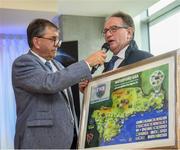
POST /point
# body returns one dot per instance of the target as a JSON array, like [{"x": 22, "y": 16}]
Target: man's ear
[
  {"x": 130, "y": 33},
  {"x": 36, "y": 42}
]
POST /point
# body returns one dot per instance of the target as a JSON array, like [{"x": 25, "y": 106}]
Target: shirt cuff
[{"x": 88, "y": 65}]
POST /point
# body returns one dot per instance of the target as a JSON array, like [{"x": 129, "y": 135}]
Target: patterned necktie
[
  {"x": 47, "y": 63},
  {"x": 110, "y": 64}
]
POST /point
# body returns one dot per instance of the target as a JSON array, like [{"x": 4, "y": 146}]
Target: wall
[{"x": 87, "y": 30}]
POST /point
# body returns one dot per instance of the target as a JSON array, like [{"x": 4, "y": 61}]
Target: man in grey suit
[{"x": 45, "y": 112}]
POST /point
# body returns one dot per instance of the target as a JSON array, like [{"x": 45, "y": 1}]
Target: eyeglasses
[
  {"x": 57, "y": 42},
  {"x": 113, "y": 29}
]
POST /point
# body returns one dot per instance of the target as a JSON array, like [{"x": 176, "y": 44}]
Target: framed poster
[{"x": 132, "y": 107}]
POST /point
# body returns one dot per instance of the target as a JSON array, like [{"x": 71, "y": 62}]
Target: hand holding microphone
[
  {"x": 97, "y": 58},
  {"x": 105, "y": 47}
]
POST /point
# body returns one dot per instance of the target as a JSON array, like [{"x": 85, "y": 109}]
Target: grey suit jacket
[{"x": 44, "y": 119}]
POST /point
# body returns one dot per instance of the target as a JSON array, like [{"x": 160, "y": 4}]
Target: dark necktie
[
  {"x": 110, "y": 64},
  {"x": 47, "y": 63}
]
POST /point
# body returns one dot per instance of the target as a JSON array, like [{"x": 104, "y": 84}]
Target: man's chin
[
  {"x": 114, "y": 50},
  {"x": 113, "y": 45},
  {"x": 54, "y": 53},
  {"x": 51, "y": 57}
]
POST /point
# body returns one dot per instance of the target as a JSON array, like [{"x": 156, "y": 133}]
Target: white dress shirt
[
  {"x": 121, "y": 56},
  {"x": 54, "y": 69}
]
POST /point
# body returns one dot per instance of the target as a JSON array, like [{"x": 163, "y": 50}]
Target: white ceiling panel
[{"x": 15, "y": 15}]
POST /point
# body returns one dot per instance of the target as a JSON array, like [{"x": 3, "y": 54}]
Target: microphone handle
[{"x": 94, "y": 68}]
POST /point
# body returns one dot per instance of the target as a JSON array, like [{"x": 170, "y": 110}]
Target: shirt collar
[
  {"x": 41, "y": 58},
  {"x": 122, "y": 52}
]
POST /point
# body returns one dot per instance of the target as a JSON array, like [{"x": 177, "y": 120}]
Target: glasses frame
[
  {"x": 57, "y": 42},
  {"x": 114, "y": 28}
]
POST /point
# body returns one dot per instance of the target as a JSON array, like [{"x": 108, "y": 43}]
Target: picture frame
[{"x": 135, "y": 106}]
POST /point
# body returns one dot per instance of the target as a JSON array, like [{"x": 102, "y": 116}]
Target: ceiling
[{"x": 16, "y": 14}]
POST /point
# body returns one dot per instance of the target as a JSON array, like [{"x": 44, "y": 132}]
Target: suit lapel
[
  {"x": 59, "y": 66},
  {"x": 69, "y": 98},
  {"x": 39, "y": 61},
  {"x": 130, "y": 48}
]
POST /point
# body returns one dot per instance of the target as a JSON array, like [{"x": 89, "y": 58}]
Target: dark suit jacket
[
  {"x": 132, "y": 55},
  {"x": 44, "y": 119}
]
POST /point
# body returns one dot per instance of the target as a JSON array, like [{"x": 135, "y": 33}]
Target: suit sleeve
[{"x": 29, "y": 75}]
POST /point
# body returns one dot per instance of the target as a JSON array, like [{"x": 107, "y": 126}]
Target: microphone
[{"x": 105, "y": 47}]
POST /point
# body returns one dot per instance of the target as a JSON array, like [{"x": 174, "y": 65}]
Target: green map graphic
[
  {"x": 125, "y": 102},
  {"x": 129, "y": 95}
]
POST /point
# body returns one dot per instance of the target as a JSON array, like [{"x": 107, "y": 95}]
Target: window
[
  {"x": 165, "y": 35},
  {"x": 159, "y": 5}
]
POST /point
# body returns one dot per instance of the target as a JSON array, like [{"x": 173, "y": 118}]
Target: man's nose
[{"x": 108, "y": 33}]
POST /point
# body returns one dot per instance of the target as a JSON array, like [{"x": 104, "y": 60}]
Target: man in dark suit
[
  {"x": 45, "y": 108},
  {"x": 119, "y": 34}
]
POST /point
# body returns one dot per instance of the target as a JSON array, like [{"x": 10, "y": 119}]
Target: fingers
[
  {"x": 83, "y": 85},
  {"x": 97, "y": 58},
  {"x": 89, "y": 137},
  {"x": 101, "y": 58}
]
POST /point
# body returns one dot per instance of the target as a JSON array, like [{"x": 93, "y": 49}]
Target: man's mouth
[{"x": 111, "y": 42}]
